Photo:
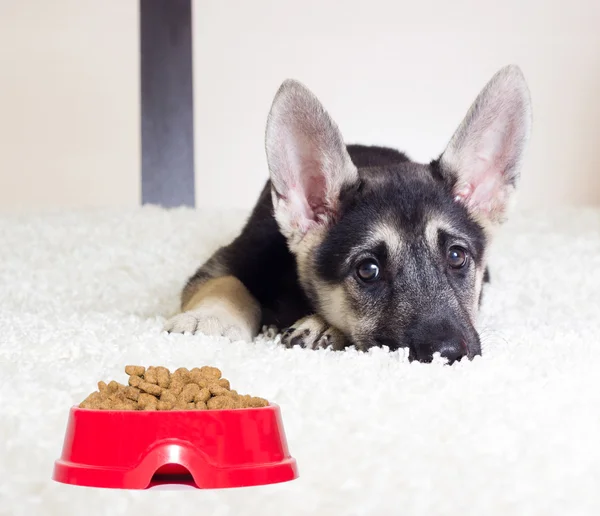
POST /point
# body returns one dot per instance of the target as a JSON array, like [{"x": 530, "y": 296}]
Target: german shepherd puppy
[{"x": 358, "y": 245}]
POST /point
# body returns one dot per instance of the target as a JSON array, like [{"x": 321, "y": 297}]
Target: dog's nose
[
  {"x": 452, "y": 349},
  {"x": 437, "y": 336}
]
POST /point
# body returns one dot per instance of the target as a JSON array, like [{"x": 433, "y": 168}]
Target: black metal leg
[{"x": 167, "y": 103}]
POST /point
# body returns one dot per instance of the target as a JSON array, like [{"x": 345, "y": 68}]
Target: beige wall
[
  {"x": 69, "y": 104},
  {"x": 399, "y": 73},
  {"x": 390, "y": 72}
]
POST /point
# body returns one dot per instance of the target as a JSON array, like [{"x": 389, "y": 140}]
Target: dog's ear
[
  {"x": 483, "y": 158},
  {"x": 308, "y": 161}
]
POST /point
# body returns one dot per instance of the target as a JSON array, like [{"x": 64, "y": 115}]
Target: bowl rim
[{"x": 270, "y": 406}]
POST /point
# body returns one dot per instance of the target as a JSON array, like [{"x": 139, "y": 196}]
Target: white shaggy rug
[{"x": 516, "y": 431}]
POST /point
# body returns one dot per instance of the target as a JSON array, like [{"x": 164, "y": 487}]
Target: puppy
[{"x": 353, "y": 245}]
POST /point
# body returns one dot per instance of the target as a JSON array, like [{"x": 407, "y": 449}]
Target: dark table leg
[{"x": 167, "y": 103}]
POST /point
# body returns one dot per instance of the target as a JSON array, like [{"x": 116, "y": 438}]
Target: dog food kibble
[
  {"x": 168, "y": 397},
  {"x": 156, "y": 388},
  {"x": 189, "y": 392},
  {"x": 112, "y": 387},
  {"x": 150, "y": 388},
  {"x": 221, "y": 402},
  {"x": 203, "y": 395},
  {"x": 147, "y": 402},
  {"x": 163, "y": 377},
  {"x": 224, "y": 383},
  {"x": 164, "y": 405},
  {"x": 150, "y": 375},
  {"x": 216, "y": 390},
  {"x": 135, "y": 370},
  {"x": 131, "y": 393},
  {"x": 211, "y": 372},
  {"x": 134, "y": 380}
]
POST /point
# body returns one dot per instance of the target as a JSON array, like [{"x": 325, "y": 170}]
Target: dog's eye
[
  {"x": 368, "y": 270},
  {"x": 457, "y": 257}
]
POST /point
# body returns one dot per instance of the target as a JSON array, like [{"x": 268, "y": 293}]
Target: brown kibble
[
  {"x": 180, "y": 405},
  {"x": 223, "y": 382},
  {"x": 165, "y": 405},
  {"x": 211, "y": 372},
  {"x": 106, "y": 405},
  {"x": 155, "y": 388},
  {"x": 92, "y": 401},
  {"x": 131, "y": 393},
  {"x": 163, "y": 377},
  {"x": 150, "y": 375},
  {"x": 221, "y": 403},
  {"x": 216, "y": 390},
  {"x": 135, "y": 381},
  {"x": 147, "y": 402},
  {"x": 150, "y": 388},
  {"x": 130, "y": 405},
  {"x": 202, "y": 396},
  {"x": 122, "y": 405},
  {"x": 168, "y": 397},
  {"x": 204, "y": 381},
  {"x": 256, "y": 402},
  {"x": 135, "y": 370},
  {"x": 189, "y": 392},
  {"x": 176, "y": 387},
  {"x": 182, "y": 373},
  {"x": 117, "y": 396},
  {"x": 112, "y": 387},
  {"x": 198, "y": 378},
  {"x": 243, "y": 400},
  {"x": 145, "y": 398}
]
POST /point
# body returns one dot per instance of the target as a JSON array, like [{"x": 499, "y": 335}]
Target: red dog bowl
[{"x": 201, "y": 448}]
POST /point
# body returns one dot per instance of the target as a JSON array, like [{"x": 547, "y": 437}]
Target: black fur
[{"x": 260, "y": 259}]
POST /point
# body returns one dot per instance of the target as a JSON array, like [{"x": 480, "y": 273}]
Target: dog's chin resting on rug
[{"x": 514, "y": 431}]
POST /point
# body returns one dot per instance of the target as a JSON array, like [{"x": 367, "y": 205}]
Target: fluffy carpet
[{"x": 513, "y": 432}]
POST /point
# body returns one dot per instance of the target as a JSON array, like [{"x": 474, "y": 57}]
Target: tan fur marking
[
  {"x": 304, "y": 251},
  {"x": 334, "y": 307},
  {"x": 389, "y": 235},
  {"x": 434, "y": 224},
  {"x": 228, "y": 291}
]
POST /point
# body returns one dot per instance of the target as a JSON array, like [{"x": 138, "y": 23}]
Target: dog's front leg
[
  {"x": 313, "y": 332},
  {"x": 221, "y": 307}
]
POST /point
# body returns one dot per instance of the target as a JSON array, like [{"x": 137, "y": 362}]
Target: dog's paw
[
  {"x": 217, "y": 323},
  {"x": 313, "y": 332}
]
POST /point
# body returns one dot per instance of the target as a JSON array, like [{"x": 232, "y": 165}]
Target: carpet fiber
[{"x": 513, "y": 432}]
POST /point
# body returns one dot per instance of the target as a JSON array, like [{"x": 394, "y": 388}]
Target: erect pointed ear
[
  {"x": 308, "y": 161},
  {"x": 484, "y": 156}
]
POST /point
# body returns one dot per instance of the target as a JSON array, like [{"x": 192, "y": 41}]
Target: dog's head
[{"x": 393, "y": 252}]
